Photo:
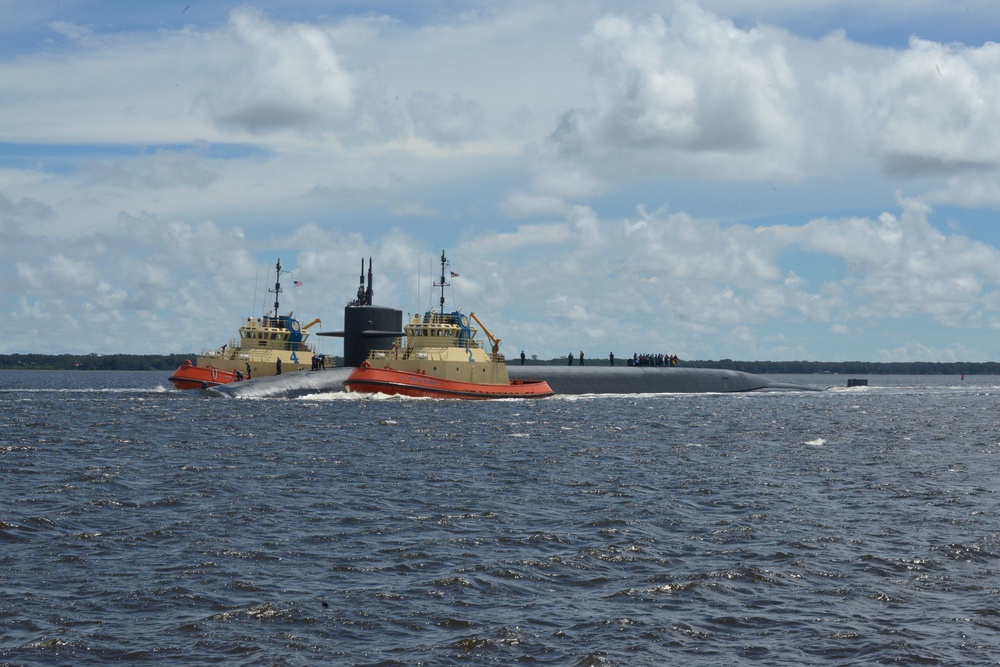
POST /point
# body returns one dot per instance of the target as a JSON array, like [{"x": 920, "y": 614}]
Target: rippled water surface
[{"x": 149, "y": 526}]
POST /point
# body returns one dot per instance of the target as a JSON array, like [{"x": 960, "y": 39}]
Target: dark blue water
[{"x": 141, "y": 525}]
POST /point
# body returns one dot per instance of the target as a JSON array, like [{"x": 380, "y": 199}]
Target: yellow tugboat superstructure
[{"x": 261, "y": 343}]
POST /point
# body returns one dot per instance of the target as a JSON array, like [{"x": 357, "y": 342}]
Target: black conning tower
[{"x": 367, "y": 327}]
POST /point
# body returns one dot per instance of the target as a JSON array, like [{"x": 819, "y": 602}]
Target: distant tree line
[
  {"x": 94, "y": 362},
  {"x": 169, "y": 362}
]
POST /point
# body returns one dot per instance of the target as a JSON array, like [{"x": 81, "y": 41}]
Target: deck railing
[{"x": 257, "y": 352}]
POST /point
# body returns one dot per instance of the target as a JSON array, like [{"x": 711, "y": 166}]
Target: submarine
[{"x": 368, "y": 327}]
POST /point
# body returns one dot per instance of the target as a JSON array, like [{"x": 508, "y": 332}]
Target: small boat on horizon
[
  {"x": 440, "y": 357},
  {"x": 268, "y": 345}
]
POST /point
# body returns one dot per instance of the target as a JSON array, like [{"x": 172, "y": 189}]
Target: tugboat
[
  {"x": 268, "y": 345},
  {"x": 441, "y": 358}
]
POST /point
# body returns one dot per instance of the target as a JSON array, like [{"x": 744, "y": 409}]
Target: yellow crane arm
[
  {"x": 316, "y": 321},
  {"x": 493, "y": 339}
]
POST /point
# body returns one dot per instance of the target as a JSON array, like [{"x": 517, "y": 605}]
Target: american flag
[
  {"x": 298, "y": 283},
  {"x": 454, "y": 275}
]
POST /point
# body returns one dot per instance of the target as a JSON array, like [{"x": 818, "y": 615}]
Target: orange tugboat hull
[
  {"x": 369, "y": 380},
  {"x": 189, "y": 376}
]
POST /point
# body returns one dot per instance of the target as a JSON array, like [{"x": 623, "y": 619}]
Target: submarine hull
[
  {"x": 562, "y": 380},
  {"x": 644, "y": 380}
]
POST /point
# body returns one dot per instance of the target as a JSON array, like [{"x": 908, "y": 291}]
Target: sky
[{"x": 715, "y": 179}]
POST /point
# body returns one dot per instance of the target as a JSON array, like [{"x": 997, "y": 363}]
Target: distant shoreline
[
  {"x": 169, "y": 362},
  {"x": 93, "y": 362}
]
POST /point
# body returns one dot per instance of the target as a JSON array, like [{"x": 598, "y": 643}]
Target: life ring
[
  {"x": 463, "y": 320},
  {"x": 365, "y": 365},
  {"x": 294, "y": 325},
  {"x": 215, "y": 373}
]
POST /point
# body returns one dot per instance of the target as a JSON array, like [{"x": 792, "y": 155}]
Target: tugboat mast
[
  {"x": 444, "y": 283},
  {"x": 277, "y": 287}
]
